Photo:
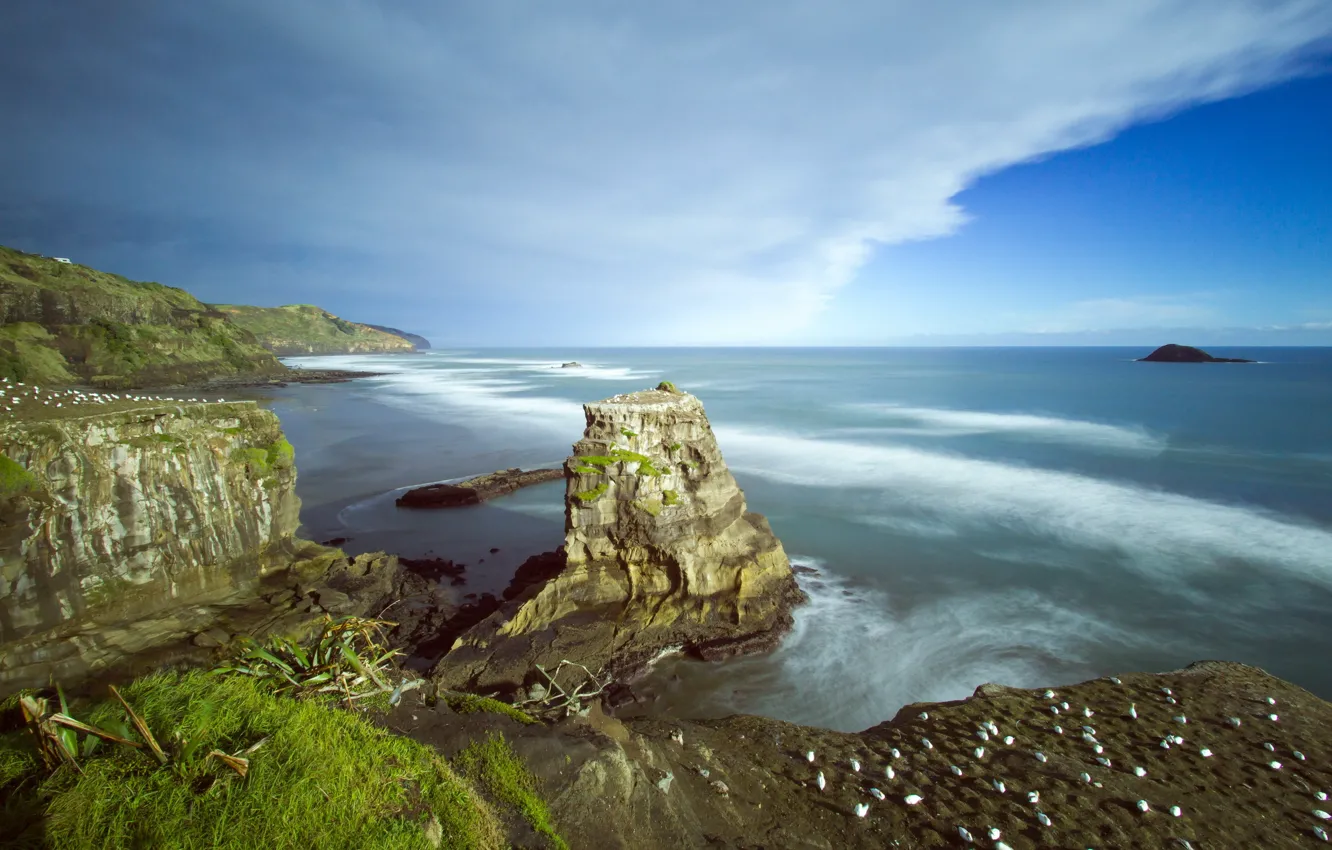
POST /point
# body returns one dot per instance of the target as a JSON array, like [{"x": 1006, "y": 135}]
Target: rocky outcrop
[
  {"x": 661, "y": 555},
  {"x": 124, "y": 530},
  {"x": 474, "y": 491},
  {"x": 1186, "y": 354}
]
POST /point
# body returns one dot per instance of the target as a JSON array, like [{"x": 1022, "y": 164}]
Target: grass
[
  {"x": 15, "y": 480},
  {"x": 307, "y": 329},
  {"x": 589, "y": 496},
  {"x": 74, "y": 324},
  {"x": 260, "y": 462},
  {"x": 630, "y": 434},
  {"x": 495, "y": 765},
  {"x": 670, "y": 497},
  {"x": 322, "y": 779},
  {"x": 471, "y": 704},
  {"x": 619, "y": 455},
  {"x": 667, "y": 386},
  {"x": 649, "y": 506}
]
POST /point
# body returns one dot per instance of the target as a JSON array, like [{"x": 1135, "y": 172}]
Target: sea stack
[
  {"x": 660, "y": 554},
  {"x": 1186, "y": 354}
]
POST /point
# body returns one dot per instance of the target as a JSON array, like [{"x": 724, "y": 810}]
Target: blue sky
[{"x": 686, "y": 173}]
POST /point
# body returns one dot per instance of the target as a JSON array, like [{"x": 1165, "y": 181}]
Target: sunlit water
[{"x": 1024, "y": 516}]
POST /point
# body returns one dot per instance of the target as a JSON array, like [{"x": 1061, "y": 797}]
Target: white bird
[
  {"x": 1049, "y": 694},
  {"x": 1179, "y": 718},
  {"x": 999, "y": 845},
  {"x": 1103, "y": 761},
  {"x": 1089, "y": 738},
  {"x": 1170, "y": 700},
  {"x": 966, "y": 836},
  {"x": 1009, "y": 740},
  {"x": 1177, "y": 739},
  {"x": 1133, "y": 710},
  {"x": 979, "y": 752},
  {"x": 862, "y": 809},
  {"x": 957, "y": 771},
  {"x": 924, "y": 715},
  {"x": 912, "y": 799},
  {"x": 1206, "y": 753},
  {"x": 1064, "y": 706},
  {"x": 809, "y": 756},
  {"x": 1142, "y": 806},
  {"x": 821, "y": 781},
  {"x": 1299, "y": 755},
  {"x": 1319, "y": 813},
  {"x": 1087, "y": 712},
  {"x": 1166, "y": 691},
  {"x": 926, "y": 742},
  {"x": 855, "y": 765},
  {"x": 1275, "y": 765},
  {"x": 994, "y": 834},
  {"x": 1321, "y": 795},
  {"x": 1269, "y": 747},
  {"x": 1040, "y": 757},
  {"x": 999, "y": 785},
  {"x": 897, "y": 754},
  {"x": 1115, "y": 679},
  {"x": 1140, "y": 771},
  {"x": 983, "y": 735},
  {"x": 1085, "y": 777},
  {"x": 1320, "y": 832},
  {"x": 1273, "y": 718},
  {"x": 1233, "y": 721},
  {"x": 1059, "y": 730},
  {"x": 678, "y": 737},
  {"x": 1042, "y": 819},
  {"x": 889, "y": 772},
  {"x": 1054, "y": 709},
  {"x": 1176, "y": 811},
  {"x": 993, "y": 727},
  {"x": 1271, "y": 701},
  {"x": 1098, "y": 749},
  {"x": 1033, "y": 796},
  {"x": 876, "y": 793}
]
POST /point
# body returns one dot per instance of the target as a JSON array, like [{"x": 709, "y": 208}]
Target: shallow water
[{"x": 1026, "y": 516}]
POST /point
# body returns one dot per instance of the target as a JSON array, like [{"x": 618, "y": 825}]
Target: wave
[
  {"x": 945, "y": 422},
  {"x": 1159, "y": 533},
  {"x": 852, "y": 642}
]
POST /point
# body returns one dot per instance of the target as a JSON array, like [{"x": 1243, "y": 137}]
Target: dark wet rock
[
  {"x": 473, "y": 491},
  {"x": 1186, "y": 354},
  {"x": 572, "y": 364}
]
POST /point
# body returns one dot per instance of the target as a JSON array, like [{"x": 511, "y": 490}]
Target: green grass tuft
[
  {"x": 667, "y": 386},
  {"x": 324, "y": 778},
  {"x": 471, "y": 704},
  {"x": 670, "y": 497},
  {"x": 590, "y": 496},
  {"x": 495, "y": 765},
  {"x": 630, "y": 434},
  {"x": 15, "y": 480}
]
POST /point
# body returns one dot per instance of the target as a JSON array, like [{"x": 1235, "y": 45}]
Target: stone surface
[
  {"x": 473, "y": 491},
  {"x": 661, "y": 555},
  {"x": 145, "y": 527},
  {"x": 1186, "y": 354}
]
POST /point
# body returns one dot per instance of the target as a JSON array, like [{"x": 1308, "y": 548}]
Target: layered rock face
[
  {"x": 121, "y": 528},
  {"x": 661, "y": 554}
]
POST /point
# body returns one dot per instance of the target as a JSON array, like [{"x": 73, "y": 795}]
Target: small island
[{"x": 1186, "y": 354}]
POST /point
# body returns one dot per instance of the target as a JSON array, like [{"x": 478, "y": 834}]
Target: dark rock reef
[
  {"x": 474, "y": 491},
  {"x": 1186, "y": 354}
]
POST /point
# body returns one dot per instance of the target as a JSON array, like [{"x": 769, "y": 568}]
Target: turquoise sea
[{"x": 1029, "y": 516}]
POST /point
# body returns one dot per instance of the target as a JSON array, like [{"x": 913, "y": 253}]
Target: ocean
[{"x": 1026, "y": 516}]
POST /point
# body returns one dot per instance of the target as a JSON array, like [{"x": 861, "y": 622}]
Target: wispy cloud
[
  {"x": 743, "y": 159},
  {"x": 1146, "y": 311}
]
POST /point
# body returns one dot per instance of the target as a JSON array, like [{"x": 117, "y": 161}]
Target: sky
[{"x": 752, "y": 173}]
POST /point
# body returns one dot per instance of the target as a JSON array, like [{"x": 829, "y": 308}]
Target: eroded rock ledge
[{"x": 660, "y": 555}]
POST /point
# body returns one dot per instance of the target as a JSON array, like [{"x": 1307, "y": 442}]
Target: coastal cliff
[
  {"x": 64, "y": 323},
  {"x": 661, "y": 555},
  {"x": 131, "y": 526},
  {"x": 304, "y": 329}
]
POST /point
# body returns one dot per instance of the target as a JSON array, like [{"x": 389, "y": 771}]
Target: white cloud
[
  {"x": 1146, "y": 311},
  {"x": 742, "y": 159}
]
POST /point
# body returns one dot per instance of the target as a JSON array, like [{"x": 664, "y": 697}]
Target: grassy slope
[
  {"x": 325, "y": 778},
  {"x": 305, "y": 329},
  {"x": 66, "y": 323}
]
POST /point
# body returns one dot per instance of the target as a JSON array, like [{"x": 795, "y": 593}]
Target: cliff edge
[
  {"x": 661, "y": 555},
  {"x": 304, "y": 329}
]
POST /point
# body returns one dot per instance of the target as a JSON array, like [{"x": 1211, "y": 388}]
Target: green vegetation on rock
[
  {"x": 471, "y": 704},
  {"x": 589, "y": 496},
  {"x": 670, "y": 497},
  {"x": 649, "y": 506},
  {"x": 260, "y": 462},
  {"x": 64, "y": 323},
  {"x": 495, "y": 765},
  {"x": 320, "y": 778},
  {"x": 626, "y": 432},
  {"x": 15, "y": 480},
  {"x": 667, "y": 386},
  {"x": 306, "y": 329}
]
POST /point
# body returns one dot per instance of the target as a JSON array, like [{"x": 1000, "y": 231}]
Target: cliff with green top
[
  {"x": 302, "y": 329},
  {"x": 65, "y": 323},
  {"x": 127, "y": 527}
]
